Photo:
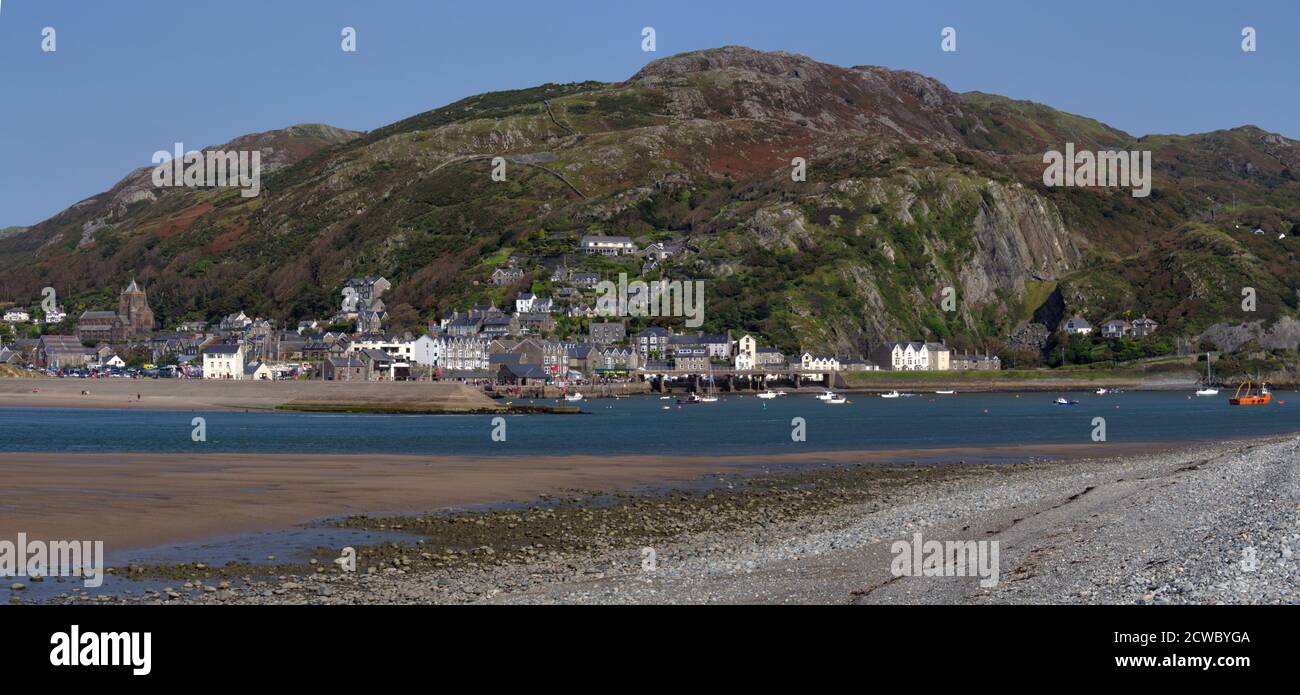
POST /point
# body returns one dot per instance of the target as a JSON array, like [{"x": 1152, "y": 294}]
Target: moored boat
[{"x": 1264, "y": 397}]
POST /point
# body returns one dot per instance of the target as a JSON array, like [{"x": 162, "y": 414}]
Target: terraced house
[{"x": 913, "y": 356}]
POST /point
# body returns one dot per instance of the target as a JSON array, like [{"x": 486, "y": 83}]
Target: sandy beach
[
  {"x": 1204, "y": 524},
  {"x": 133, "y": 500}
]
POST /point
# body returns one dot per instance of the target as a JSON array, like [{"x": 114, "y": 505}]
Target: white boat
[
  {"x": 837, "y": 400},
  {"x": 1207, "y": 389},
  {"x": 891, "y": 394},
  {"x": 945, "y": 392},
  {"x": 1062, "y": 401},
  {"x": 825, "y": 395},
  {"x": 708, "y": 399},
  {"x": 767, "y": 394},
  {"x": 1102, "y": 392},
  {"x": 780, "y": 393},
  {"x": 575, "y": 396},
  {"x": 665, "y": 398}
]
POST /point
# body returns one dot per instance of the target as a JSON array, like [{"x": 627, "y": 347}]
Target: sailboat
[
  {"x": 711, "y": 395},
  {"x": 1206, "y": 388}
]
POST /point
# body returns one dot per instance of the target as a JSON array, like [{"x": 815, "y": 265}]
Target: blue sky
[{"x": 130, "y": 77}]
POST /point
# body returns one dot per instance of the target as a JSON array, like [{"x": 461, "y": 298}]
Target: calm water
[{"x": 641, "y": 425}]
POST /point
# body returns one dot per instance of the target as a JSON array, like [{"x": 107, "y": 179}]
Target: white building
[
  {"x": 17, "y": 316},
  {"x": 913, "y": 357},
  {"x": 55, "y": 315},
  {"x": 811, "y": 361},
  {"x": 223, "y": 362},
  {"x": 402, "y": 350},
  {"x": 607, "y": 245},
  {"x": 1078, "y": 326},
  {"x": 450, "y": 353},
  {"x": 529, "y": 303}
]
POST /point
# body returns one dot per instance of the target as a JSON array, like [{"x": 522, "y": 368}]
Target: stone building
[{"x": 133, "y": 319}]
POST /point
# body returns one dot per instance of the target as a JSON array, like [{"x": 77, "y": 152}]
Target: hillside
[{"x": 911, "y": 188}]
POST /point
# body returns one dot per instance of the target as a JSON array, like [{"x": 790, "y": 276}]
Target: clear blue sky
[{"x": 133, "y": 76}]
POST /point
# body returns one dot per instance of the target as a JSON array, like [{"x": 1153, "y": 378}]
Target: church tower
[{"x": 134, "y": 312}]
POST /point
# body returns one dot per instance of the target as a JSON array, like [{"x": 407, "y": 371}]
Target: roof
[
  {"x": 98, "y": 315},
  {"x": 525, "y": 371},
  {"x": 221, "y": 349},
  {"x": 346, "y": 362},
  {"x": 606, "y": 239}
]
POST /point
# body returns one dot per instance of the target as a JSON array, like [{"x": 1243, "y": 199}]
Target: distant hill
[{"x": 911, "y": 188}]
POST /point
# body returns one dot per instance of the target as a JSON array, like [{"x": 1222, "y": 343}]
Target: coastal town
[
  {"x": 483, "y": 344},
  {"x": 562, "y": 339}
]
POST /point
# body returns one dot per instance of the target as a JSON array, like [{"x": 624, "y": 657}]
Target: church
[{"x": 133, "y": 319}]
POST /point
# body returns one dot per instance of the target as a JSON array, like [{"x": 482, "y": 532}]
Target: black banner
[{"x": 1111, "y": 643}]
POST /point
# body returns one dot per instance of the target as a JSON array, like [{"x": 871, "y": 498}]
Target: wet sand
[{"x": 132, "y": 500}]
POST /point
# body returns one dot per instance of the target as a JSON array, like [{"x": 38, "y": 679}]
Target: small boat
[
  {"x": 575, "y": 396},
  {"x": 1207, "y": 386},
  {"x": 837, "y": 400},
  {"x": 767, "y": 394},
  {"x": 1264, "y": 397},
  {"x": 708, "y": 399},
  {"x": 891, "y": 394},
  {"x": 1102, "y": 392},
  {"x": 945, "y": 392},
  {"x": 825, "y": 395},
  {"x": 665, "y": 398},
  {"x": 780, "y": 393},
  {"x": 1062, "y": 401}
]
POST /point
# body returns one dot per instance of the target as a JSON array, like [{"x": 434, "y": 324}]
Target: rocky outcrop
[{"x": 1284, "y": 334}]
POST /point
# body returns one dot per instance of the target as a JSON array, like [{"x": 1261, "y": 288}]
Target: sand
[{"x": 135, "y": 500}]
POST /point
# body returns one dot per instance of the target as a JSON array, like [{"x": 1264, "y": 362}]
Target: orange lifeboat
[{"x": 1249, "y": 398}]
